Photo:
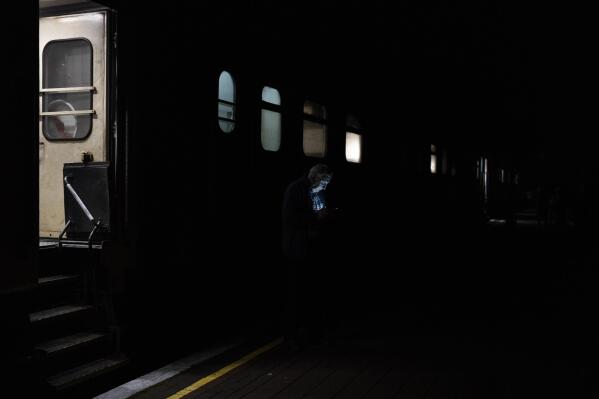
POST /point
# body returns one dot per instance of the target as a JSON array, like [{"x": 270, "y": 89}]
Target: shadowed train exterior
[{"x": 183, "y": 105}]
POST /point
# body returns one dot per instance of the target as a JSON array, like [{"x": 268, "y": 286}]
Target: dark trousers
[{"x": 306, "y": 308}]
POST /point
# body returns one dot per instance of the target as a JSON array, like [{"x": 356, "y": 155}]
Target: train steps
[
  {"x": 76, "y": 351},
  {"x": 90, "y": 379},
  {"x": 57, "y": 290}
]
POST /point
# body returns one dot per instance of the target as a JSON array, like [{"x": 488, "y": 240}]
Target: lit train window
[
  {"x": 270, "y": 126},
  {"x": 433, "y": 159},
  {"x": 271, "y": 96},
  {"x": 67, "y": 89},
  {"x": 315, "y": 130},
  {"x": 353, "y": 147},
  {"x": 353, "y": 140},
  {"x": 226, "y": 102}
]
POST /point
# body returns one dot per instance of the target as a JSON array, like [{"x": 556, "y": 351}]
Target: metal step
[
  {"x": 66, "y": 352},
  {"x": 51, "y": 281},
  {"x": 57, "y": 290},
  {"x": 87, "y": 372},
  {"x": 57, "y": 312},
  {"x": 69, "y": 343}
]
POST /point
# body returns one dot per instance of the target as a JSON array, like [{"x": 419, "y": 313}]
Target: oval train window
[
  {"x": 226, "y": 102},
  {"x": 270, "y": 123}
]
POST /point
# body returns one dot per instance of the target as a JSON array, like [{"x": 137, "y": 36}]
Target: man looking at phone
[{"x": 304, "y": 212}]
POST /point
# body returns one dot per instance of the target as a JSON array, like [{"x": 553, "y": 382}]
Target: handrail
[
  {"x": 78, "y": 199},
  {"x": 81, "y": 89},
  {"x": 60, "y": 113},
  {"x": 97, "y": 223},
  {"x": 66, "y": 226}
]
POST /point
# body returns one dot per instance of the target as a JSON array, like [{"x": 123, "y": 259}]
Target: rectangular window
[
  {"x": 433, "y": 159},
  {"x": 315, "y": 130},
  {"x": 315, "y": 138},
  {"x": 270, "y": 125},
  {"x": 270, "y": 134},
  {"x": 433, "y": 164},
  {"x": 67, "y": 90},
  {"x": 353, "y": 147}
]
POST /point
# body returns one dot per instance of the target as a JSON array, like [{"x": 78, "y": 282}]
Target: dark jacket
[{"x": 297, "y": 219}]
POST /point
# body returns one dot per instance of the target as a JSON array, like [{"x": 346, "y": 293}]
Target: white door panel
[{"x": 91, "y": 27}]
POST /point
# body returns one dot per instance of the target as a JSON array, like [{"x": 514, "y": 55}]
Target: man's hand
[{"x": 322, "y": 214}]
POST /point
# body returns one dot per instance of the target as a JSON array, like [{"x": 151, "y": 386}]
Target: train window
[
  {"x": 315, "y": 130},
  {"x": 315, "y": 139},
  {"x": 67, "y": 102},
  {"x": 226, "y": 102},
  {"x": 271, "y": 96},
  {"x": 315, "y": 110},
  {"x": 353, "y": 147},
  {"x": 433, "y": 159},
  {"x": 353, "y": 139},
  {"x": 270, "y": 134}
]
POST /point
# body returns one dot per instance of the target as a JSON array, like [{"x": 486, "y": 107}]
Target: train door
[{"x": 72, "y": 76}]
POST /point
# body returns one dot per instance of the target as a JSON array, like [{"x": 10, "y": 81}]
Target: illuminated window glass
[
  {"x": 270, "y": 95},
  {"x": 353, "y": 147},
  {"x": 315, "y": 139},
  {"x": 315, "y": 130},
  {"x": 67, "y": 89},
  {"x": 270, "y": 125},
  {"x": 226, "y": 102},
  {"x": 433, "y": 159},
  {"x": 353, "y": 139}
]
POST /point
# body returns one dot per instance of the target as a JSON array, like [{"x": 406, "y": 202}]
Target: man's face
[{"x": 322, "y": 179}]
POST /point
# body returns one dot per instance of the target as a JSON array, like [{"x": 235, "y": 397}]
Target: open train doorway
[{"x": 75, "y": 121}]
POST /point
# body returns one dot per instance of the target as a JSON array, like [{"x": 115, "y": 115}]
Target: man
[{"x": 304, "y": 211}]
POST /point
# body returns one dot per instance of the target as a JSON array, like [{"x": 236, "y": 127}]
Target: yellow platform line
[{"x": 217, "y": 374}]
